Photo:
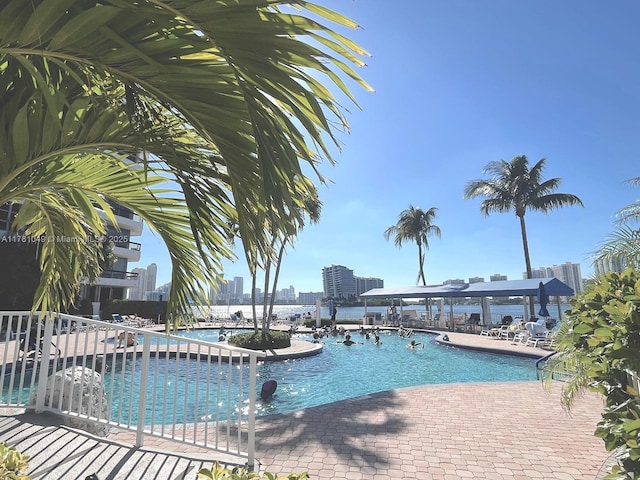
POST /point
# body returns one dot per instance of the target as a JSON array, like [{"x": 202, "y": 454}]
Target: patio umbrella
[{"x": 543, "y": 298}]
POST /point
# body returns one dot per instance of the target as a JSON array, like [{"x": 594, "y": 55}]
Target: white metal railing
[{"x": 168, "y": 386}]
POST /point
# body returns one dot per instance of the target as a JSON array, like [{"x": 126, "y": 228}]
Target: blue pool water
[{"x": 342, "y": 372}]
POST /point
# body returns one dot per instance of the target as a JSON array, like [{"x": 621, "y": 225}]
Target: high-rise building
[
  {"x": 309, "y": 298},
  {"x": 287, "y": 295},
  {"x": 569, "y": 273},
  {"x": 476, "y": 279},
  {"x": 145, "y": 282},
  {"x": 338, "y": 282},
  {"x": 150, "y": 280},
  {"x": 238, "y": 290},
  {"x": 137, "y": 292},
  {"x": 600, "y": 267},
  {"x": 497, "y": 277},
  {"x": 365, "y": 284}
]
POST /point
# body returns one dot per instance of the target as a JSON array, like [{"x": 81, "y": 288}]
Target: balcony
[
  {"x": 117, "y": 278},
  {"x": 128, "y": 250},
  {"x": 131, "y": 222}
]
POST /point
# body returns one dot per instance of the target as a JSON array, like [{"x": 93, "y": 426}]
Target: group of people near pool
[{"x": 366, "y": 333}]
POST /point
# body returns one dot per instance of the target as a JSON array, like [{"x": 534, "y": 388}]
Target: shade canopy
[{"x": 505, "y": 288}]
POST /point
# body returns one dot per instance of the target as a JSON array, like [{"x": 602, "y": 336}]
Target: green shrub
[
  {"x": 254, "y": 340},
  {"x": 12, "y": 463},
  {"x": 600, "y": 346},
  {"x": 218, "y": 472}
]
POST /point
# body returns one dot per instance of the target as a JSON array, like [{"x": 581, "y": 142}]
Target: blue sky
[{"x": 460, "y": 83}]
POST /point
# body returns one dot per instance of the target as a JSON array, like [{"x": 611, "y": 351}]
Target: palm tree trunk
[
  {"x": 267, "y": 272},
  {"x": 275, "y": 282},
  {"x": 254, "y": 281},
  {"x": 527, "y": 260},
  {"x": 421, "y": 263}
]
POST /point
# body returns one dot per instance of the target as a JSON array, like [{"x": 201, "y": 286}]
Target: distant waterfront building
[
  {"x": 163, "y": 290},
  {"x": 454, "y": 281},
  {"x": 287, "y": 295},
  {"x": 476, "y": 280},
  {"x": 238, "y": 290},
  {"x": 338, "y": 281},
  {"x": 137, "y": 292},
  {"x": 146, "y": 282},
  {"x": 309, "y": 298},
  {"x": 569, "y": 273},
  {"x": 365, "y": 284},
  {"x": 150, "y": 281},
  {"x": 542, "y": 272},
  {"x": 600, "y": 267},
  {"x": 497, "y": 277}
]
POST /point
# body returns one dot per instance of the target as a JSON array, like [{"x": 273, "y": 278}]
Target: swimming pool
[{"x": 341, "y": 372}]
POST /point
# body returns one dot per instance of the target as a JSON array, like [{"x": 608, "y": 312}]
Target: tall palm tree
[
  {"x": 514, "y": 187},
  {"x": 624, "y": 243},
  {"x": 415, "y": 225},
  {"x": 211, "y": 91}
]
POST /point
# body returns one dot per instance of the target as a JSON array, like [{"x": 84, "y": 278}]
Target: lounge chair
[
  {"x": 540, "y": 341},
  {"x": 491, "y": 331},
  {"x": 539, "y": 335},
  {"x": 508, "y": 332},
  {"x": 32, "y": 345}
]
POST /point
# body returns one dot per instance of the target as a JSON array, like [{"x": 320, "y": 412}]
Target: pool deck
[{"x": 497, "y": 431}]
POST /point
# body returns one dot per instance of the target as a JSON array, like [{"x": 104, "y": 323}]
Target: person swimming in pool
[
  {"x": 413, "y": 345},
  {"x": 347, "y": 340}
]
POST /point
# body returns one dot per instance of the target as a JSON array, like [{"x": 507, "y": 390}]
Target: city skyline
[
  {"x": 449, "y": 100},
  {"x": 568, "y": 273}
]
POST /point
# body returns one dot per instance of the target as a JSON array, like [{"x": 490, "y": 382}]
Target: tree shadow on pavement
[{"x": 354, "y": 430}]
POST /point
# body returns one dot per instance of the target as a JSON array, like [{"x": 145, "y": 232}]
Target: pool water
[{"x": 342, "y": 372}]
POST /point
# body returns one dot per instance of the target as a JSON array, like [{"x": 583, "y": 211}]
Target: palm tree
[
  {"x": 226, "y": 114},
  {"x": 416, "y": 225},
  {"x": 513, "y": 186},
  {"x": 311, "y": 207},
  {"x": 624, "y": 243}
]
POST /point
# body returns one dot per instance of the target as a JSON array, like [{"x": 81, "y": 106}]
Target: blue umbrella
[{"x": 543, "y": 298}]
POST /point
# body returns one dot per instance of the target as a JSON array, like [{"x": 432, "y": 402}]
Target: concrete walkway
[{"x": 446, "y": 432}]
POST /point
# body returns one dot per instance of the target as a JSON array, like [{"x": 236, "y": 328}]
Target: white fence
[{"x": 167, "y": 386}]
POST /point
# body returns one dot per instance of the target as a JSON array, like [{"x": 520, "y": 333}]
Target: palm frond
[{"x": 224, "y": 97}]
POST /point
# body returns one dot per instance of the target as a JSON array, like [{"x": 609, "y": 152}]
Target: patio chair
[
  {"x": 491, "y": 331},
  {"x": 540, "y": 341},
  {"x": 539, "y": 335},
  {"x": 508, "y": 332},
  {"x": 473, "y": 322},
  {"x": 32, "y": 345}
]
